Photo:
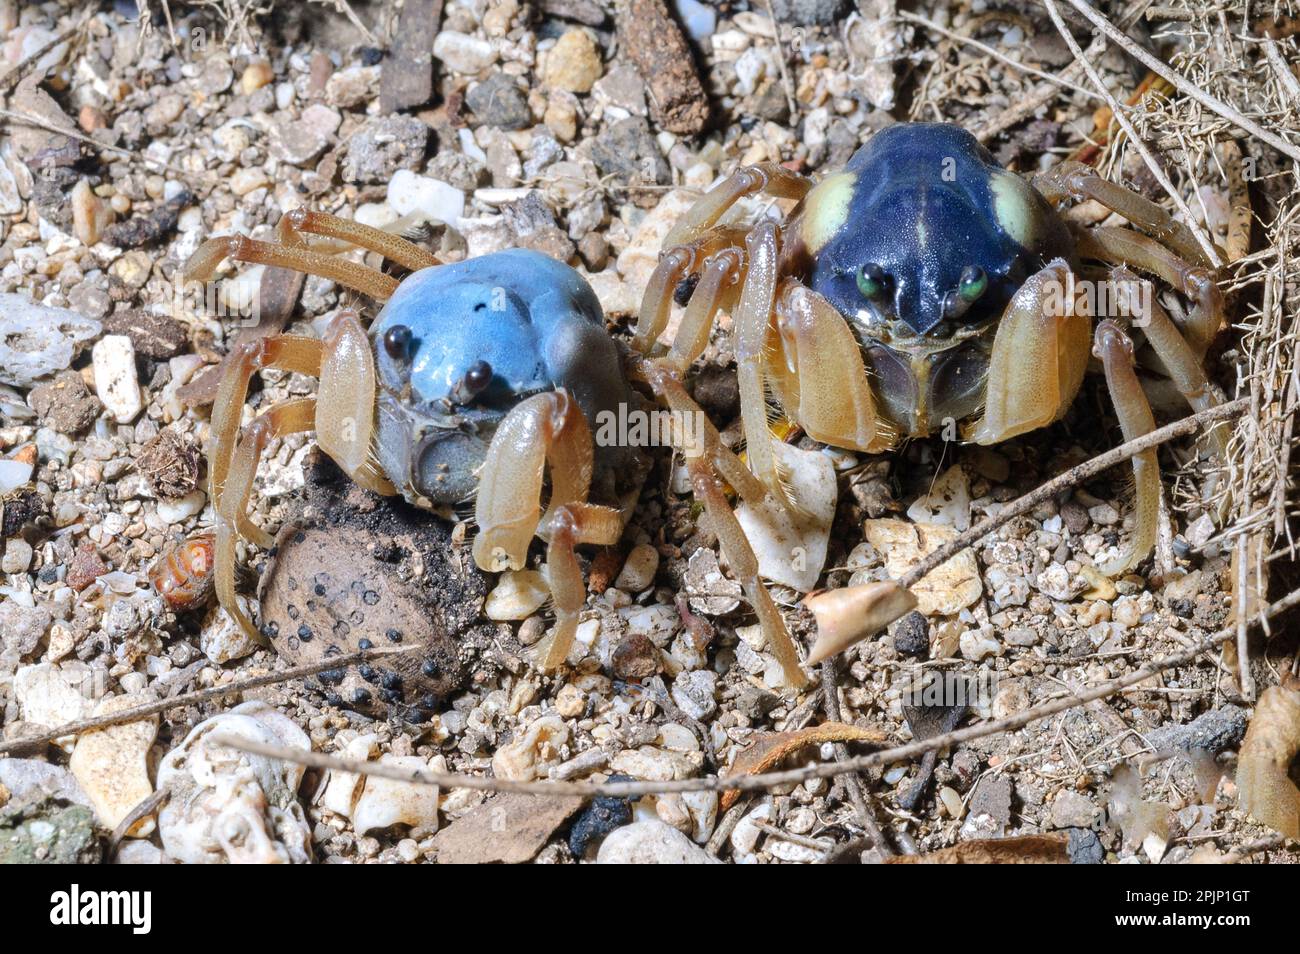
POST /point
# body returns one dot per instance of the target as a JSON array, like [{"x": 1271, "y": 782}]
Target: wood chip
[
  {"x": 769, "y": 749},
  {"x": 650, "y": 37},
  {"x": 1025, "y": 850},
  {"x": 508, "y": 829},
  {"x": 406, "y": 80}
]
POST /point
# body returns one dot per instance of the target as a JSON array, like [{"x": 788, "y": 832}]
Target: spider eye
[
  {"x": 972, "y": 284},
  {"x": 871, "y": 281}
]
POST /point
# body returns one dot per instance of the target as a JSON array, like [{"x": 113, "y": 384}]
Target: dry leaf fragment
[
  {"x": 769, "y": 749},
  {"x": 853, "y": 613},
  {"x": 1263, "y": 766},
  {"x": 510, "y": 828},
  {"x": 1023, "y": 850}
]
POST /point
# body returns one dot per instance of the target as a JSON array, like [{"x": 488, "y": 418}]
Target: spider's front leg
[{"x": 546, "y": 428}]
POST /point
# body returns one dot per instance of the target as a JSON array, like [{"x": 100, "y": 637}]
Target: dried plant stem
[
  {"x": 1117, "y": 110},
  {"x": 199, "y": 695},
  {"x": 766, "y": 779},
  {"x": 1151, "y": 62},
  {"x": 1060, "y": 80},
  {"x": 1075, "y": 475}
]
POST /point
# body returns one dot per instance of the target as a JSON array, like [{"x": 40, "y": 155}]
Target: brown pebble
[
  {"x": 87, "y": 566},
  {"x": 636, "y": 657},
  {"x": 65, "y": 404},
  {"x": 91, "y": 118},
  {"x": 650, "y": 36}
]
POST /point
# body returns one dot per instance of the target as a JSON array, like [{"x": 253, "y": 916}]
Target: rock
[
  {"x": 352, "y": 87},
  {"x": 700, "y": 19},
  {"x": 31, "y": 779},
  {"x": 14, "y": 473},
  {"x": 386, "y": 802},
  {"x": 948, "y": 590},
  {"x": 245, "y": 181},
  {"x": 517, "y": 595},
  {"x": 256, "y": 75},
  {"x": 1071, "y": 809},
  {"x": 574, "y": 63},
  {"x": 22, "y": 627},
  {"x": 17, "y": 556},
  {"x": 1211, "y": 732},
  {"x": 44, "y": 832},
  {"x": 498, "y": 101},
  {"x": 947, "y": 503},
  {"x": 992, "y": 797},
  {"x": 440, "y": 202},
  {"x": 297, "y": 142},
  {"x": 155, "y": 336},
  {"x": 627, "y": 151},
  {"x": 639, "y": 569},
  {"x": 651, "y": 843},
  {"x": 382, "y": 146},
  {"x": 635, "y": 657},
  {"x": 694, "y": 693},
  {"x": 655, "y": 764},
  {"x": 36, "y": 340},
  {"x": 231, "y": 806},
  {"x": 112, "y": 765},
  {"x": 463, "y": 53},
  {"x": 1085, "y": 847},
  {"x": 791, "y": 547},
  {"x": 90, "y": 214},
  {"x": 115, "y": 378},
  {"x": 222, "y": 639},
  {"x": 51, "y": 694},
  {"x": 808, "y": 12},
  {"x": 597, "y": 820},
  {"x": 651, "y": 38},
  {"x": 623, "y": 88},
  {"x": 86, "y": 568},
  {"x": 65, "y": 404},
  {"x": 709, "y": 590},
  {"x": 912, "y": 636},
  {"x": 533, "y": 748}
]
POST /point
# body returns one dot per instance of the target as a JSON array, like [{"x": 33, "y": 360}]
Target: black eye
[
  {"x": 871, "y": 281},
  {"x": 397, "y": 342},
  {"x": 476, "y": 379}
]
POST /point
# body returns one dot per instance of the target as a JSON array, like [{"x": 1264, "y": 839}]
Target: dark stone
[
  {"x": 1085, "y": 847},
  {"x": 406, "y": 78},
  {"x": 598, "y": 819},
  {"x": 635, "y": 657},
  {"x": 992, "y": 797},
  {"x": 499, "y": 102},
  {"x": 912, "y": 636},
  {"x": 627, "y": 151},
  {"x": 154, "y": 336}
]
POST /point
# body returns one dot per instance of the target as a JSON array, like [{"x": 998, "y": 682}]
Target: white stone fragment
[
  {"x": 115, "y": 377},
  {"x": 791, "y": 547}
]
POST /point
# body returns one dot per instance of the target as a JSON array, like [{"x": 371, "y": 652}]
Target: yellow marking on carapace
[
  {"x": 827, "y": 209},
  {"x": 1013, "y": 204}
]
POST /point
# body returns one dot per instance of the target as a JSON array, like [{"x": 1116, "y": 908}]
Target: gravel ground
[{"x": 552, "y": 127}]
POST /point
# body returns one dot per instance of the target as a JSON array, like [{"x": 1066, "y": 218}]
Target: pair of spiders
[{"x": 920, "y": 286}]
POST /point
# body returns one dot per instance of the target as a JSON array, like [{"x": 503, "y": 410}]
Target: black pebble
[
  {"x": 598, "y": 819},
  {"x": 912, "y": 636}
]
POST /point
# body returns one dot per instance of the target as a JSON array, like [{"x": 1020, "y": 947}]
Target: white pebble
[
  {"x": 181, "y": 509},
  {"x": 113, "y": 358},
  {"x": 408, "y": 192},
  {"x": 517, "y": 595},
  {"x": 639, "y": 569}
]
